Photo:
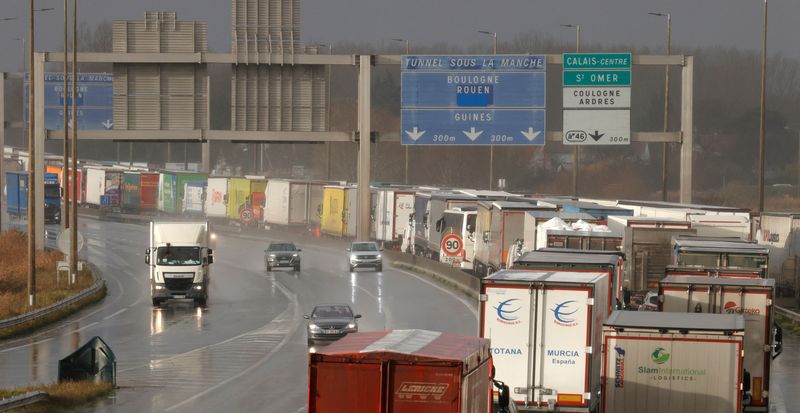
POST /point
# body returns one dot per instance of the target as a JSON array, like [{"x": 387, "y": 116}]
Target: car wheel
[
  {"x": 269, "y": 268},
  {"x": 201, "y": 301},
  {"x": 379, "y": 268},
  {"x": 156, "y": 302},
  {"x": 310, "y": 342},
  {"x": 352, "y": 268}
]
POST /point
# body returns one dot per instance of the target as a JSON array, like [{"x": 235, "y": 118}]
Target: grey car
[
  {"x": 365, "y": 254},
  {"x": 282, "y": 254},
  {"x": 329, "y": 322}
]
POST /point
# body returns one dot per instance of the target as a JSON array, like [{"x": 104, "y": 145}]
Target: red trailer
[
  {"x": 407, "y": 371},
  {"x": 68, "y": 186},
  {"x": 148, "y": 195}
]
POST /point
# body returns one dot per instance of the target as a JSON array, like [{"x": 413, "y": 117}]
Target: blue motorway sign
[
  {"x": 473, "y": 100},
  {"x": 94, "y": 100}
]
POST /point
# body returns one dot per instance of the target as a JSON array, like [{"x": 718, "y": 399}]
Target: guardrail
[
  {"x": 52, "y": 308},
  {"x": 443, "y": 273},
  {"x": 788, "y": 313},
  {"x": 23, "y": 400}
]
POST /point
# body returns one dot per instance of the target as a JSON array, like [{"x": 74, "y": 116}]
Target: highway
[{"x": 247, "y": 350}]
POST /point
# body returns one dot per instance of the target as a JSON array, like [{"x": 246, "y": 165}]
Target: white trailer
[
  {"x": 95, "y": 186},
  {"x": 217, "y": 197},
  {"x": 393, "y": 209},
  {"x": 546, "y": 330},
  {"x": 753, "y": 299},
  {"x": 179, "y": 258},
  {"x": 671, "y": 362},
  {"x": 194, "y": 194},
  {"x": 287, "y": 202}
]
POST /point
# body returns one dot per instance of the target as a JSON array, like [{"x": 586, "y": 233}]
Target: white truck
[
  {"x": 546, "y": 329},
  {"x": 672, "y": 362},
  {"x": 750, "y": 297},
  {"x": 179, "y": 258}
]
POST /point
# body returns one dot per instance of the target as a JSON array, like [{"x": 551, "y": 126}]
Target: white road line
[
  {"x": 86, "y": 326},
  {"x": 295, "y": 310},
  {"x": 115, "y": 314},
  {"x": 26, "y": 345},
  {"x": 470, "y": 305}
]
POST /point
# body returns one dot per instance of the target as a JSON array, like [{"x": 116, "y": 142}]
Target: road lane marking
[
  {"x": 26, "y": 345},
  {"x": 115, "y": 314}
]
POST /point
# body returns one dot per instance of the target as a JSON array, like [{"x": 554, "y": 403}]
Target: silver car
[{"x": 365, "y": 254}]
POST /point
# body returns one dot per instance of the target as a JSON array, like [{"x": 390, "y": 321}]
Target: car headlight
[
  {"x": 295, "y": 255},
  {"x": 313, "y": 326},
  {"x": 352, "y": 256},
  {"x": 351, "y": 325},
  {"x": 198, "y": 287},
  {"x": 159, "y": 287},
  {"x": 378, "y": 256}
]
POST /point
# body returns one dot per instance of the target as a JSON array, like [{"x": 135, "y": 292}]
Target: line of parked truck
[{"x": 557, "y": 278}]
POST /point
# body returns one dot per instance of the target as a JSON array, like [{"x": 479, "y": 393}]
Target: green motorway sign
[
  {"x": 597, "y": 78},
  {"x": 597, "y": 60}
]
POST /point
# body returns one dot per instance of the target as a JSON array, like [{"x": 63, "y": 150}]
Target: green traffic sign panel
[
  {"x": 597, "y": 60},
  {"x": 597, "y": 78}
]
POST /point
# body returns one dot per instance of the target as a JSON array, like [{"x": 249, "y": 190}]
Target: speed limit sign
[{"x": 452, "y": 245}]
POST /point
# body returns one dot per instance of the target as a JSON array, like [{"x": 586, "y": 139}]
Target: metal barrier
[
  {"x": 788, "y": 313},
  {"x": 23, "y": 400},
  {"x": 443, "y": 273},
  {"x": 52, "y": 308}
]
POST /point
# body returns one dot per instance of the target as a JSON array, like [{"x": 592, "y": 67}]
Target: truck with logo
[
  {"x": 562, "y": 259},
  {"x": 179, "y": 258},
  {"x": 401, "y": 371},
  {"x": 546, "y": 329},
  {"x": 672, "y": 362},
  {"x": 750, "y": 297}
]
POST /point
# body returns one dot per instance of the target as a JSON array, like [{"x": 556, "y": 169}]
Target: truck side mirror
[
  {"x": 777, "y": 339},
  {"x": 746, "y": 381},
  {"x": 485, "y": 236},
  {"x": 147, "y": 256},
  {"x": 210, "y": 259},
  {"x": 470, "y": 228},
  {"x": 440, "y": 225}
]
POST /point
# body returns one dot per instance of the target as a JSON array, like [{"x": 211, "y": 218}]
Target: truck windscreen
[
  {"x": 178, "y": 256},
  {"x": 51, "y": 191}
]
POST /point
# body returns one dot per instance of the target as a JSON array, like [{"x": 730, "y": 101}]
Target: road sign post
[
  {"x": 597, "y": 98},
  {"x": 473, "y": 100}
]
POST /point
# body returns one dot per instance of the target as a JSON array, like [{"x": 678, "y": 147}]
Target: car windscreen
[
  {"x": 365, "y": 246},
  {"x": 178, "y": 256},
  {"x": 332, "y": 311},
  {"x": 281, "y": 247}
]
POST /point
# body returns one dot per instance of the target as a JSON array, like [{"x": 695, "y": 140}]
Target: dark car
[
  {"x": 365, "y": 254},
  {"x": 282, "y": 254},
  {"x": 331, "y": 322}
]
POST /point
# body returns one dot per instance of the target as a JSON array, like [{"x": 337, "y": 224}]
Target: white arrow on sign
[
  {"x": 108, "y": 124},
  {"x": 415, "y": 133},
  {"x": 531, "y": 134},
  {"x": 472, "y": 134}
]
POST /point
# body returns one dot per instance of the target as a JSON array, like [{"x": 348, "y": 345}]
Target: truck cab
[
  {"x": 52, "y": 199},
  {"x": 179, "y": 259}
]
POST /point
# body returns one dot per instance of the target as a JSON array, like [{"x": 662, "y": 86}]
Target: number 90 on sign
[{"x": 452, "y": 245}]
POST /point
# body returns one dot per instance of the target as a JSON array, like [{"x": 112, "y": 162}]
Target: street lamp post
[
  {"x": 31, "y": 165},
  {"x": 762, "y": 122},
  {"x": 65, "y": 216},
  {"x": 665, "y": 148},
  {"x": 73, "y": 242},
  {"x": 576, "y": 150},
  {"x": 405, "y": 173},
  {"x": 491, "y": 147}
]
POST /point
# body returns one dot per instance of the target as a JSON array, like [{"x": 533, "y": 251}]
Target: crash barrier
[
  {"x": 22, "y": 400},
  {"x": 440, "y": 272},
  {"x": 788, "y": 313},
  {"x": 94, "y": 362},
  {"x": 52, "y": 308}
]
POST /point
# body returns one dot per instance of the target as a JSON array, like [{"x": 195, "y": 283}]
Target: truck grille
[{"x": 178, "y": 284}]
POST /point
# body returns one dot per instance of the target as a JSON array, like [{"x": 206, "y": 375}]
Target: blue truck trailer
[{"x": 17, "y": 196}]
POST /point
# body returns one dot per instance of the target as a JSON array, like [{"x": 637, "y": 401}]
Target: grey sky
[{"x": 695, "y": 22}]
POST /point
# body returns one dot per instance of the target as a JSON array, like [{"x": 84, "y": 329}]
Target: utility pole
[
  {"x": 405, "y": 169},
  {"x": 491, "y": 147},
  {"x": 762, "y": 122},
  {"x": 31, "y": 164},
  {"x": 65, "y": 211},
  {"x": 576, "y": 149},
  {"x": 73, "y": 242},
  {"x": 665, "y": 148}
]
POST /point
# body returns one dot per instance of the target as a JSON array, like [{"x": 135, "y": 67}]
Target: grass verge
[
  {"x": 788, "y": 324},
  {"x": 64, "y": 397},
  {"x": 23, "y": 328}
]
